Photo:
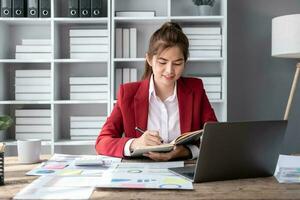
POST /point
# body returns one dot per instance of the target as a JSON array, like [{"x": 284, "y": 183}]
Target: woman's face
[{"x": 168, "y": 66}]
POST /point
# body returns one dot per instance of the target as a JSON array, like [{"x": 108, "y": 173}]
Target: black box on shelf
[
  {"x": 6, "y": 8},
  {"x": 45, "y": 8},
  {"x": 96, "y": 8},
  {"x": 18, "y": 8},
  {"x": 85, "y": 8},
  {"x": 32, "y": 8},
  {"x": 1, "y": 168},
  {"x": 73, "y": 8}
]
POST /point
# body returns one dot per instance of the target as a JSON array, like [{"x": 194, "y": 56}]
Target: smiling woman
[{"x": 163, "y": 103}]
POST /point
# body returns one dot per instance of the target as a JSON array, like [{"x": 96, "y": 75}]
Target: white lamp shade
[{"x": 286, "y": 36}]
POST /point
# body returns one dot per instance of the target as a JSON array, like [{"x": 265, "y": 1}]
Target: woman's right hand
[{"x": 149, "y": 138}]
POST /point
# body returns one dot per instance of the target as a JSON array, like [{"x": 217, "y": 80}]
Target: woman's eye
[
  {"x": 162, "y": 63},
  {"x": 177, "y": 63}
]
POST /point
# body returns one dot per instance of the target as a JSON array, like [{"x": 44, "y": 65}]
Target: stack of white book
[
  {"x": 33, "y": 124},
  {"x": 85, "y": 127},
  {"x": 212, "y": 86},
  {"x": 148, "y": 13},
  {"x": 34, "y": 49},
  {"x": 32, "y": 85},
  {"x": 89, "y": 88},
  {"x": 204, "y": 41},
  {"x": 89, "y": 44},
  {"x": 126, "y": 43}
]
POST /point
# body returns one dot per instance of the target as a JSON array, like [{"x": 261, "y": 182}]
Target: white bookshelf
[{"x": 56, "y": 28}]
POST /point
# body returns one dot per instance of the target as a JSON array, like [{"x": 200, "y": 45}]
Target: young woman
[{"x": 164, "y": 104}]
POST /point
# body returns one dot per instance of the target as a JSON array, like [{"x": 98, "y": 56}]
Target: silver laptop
[{"x": 235, "y": 150}]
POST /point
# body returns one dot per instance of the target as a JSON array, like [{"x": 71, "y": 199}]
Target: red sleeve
[
  {"x": 207, "y": 112},
  {"x": 110, "y": 141}
]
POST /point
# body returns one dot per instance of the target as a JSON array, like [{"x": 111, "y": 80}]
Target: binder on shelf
[
  {"x": 18, "y": 8},
  {"x": 32, "y": 81},
  {"x": 135, "y": 13},
  {"x": 88, "y": 40},
  {"x": 96, "y": 8},
  {"x": 119, "y": 43},
  {"x": 6, "y": 8},
  {"x": 85, "y": 8},
  {"x": 45, "y": 8},
  {"x": 133, "y": 42},
  {"x": 32, "y": 8},
  {"x": 32, "y": 113},
  {"x": 73, "y": 8},
  {"x": 88, "y": 80},
  {"x": 126, "y": 43}
]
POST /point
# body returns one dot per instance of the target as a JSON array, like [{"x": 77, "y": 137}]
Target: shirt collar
[{"x": 152, "y": 92}]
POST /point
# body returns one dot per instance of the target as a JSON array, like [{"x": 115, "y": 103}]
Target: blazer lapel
[
  {"x": 185, "y": 105},
  {"x": 141, "y": 106}
]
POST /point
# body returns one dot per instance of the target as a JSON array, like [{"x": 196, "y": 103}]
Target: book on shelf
[
  {"x": 89, "y": 96},
  {"x": 33, "y": 49},
  {"x": 133, "y": 43},
  {"x": 84, "y": 131},
  {"x": 77, "y": 48},
  {"x": 33, "y": 128},
  {"x": 33, "y": 96},
  {"x": 88, "y": 40},
  {"x": 119, "y": 79},
  {"x": 32, "y": 89},
  {"x": 86, "y": 124},
  {"x": 213, "y": 95},
  {"x": 202, "y": 30},
  {"x": 204, "y": 37},
  {"x": 32, "y": 81},
  {"x": 33, "y": 56},
  {"x": 33, "y": 73},
  {"x": 212, "y": 88},
  {"x": 87, "y": 118},
  {"x": 135, "y": 13},
  {"x": 185, "y": 138},
  {"x": 27, "y": 136},
  {"x": 32, "y": 113},
  {"x": 88, "y": 33},
  {"x": 119, "y": 43},
  {"x": 204, "y": 47},
  {"x": 133, "y": 74},
  {"x": 36, "y": 41},
  {"x": 126, "y": 43},
  {"x": 89, "y": 88},
  {"x": 126, "y": 75},
  {"x": 98, "y": 56},
  {"x": 88, "y": 80},
  {"x": 205, "y": 53},
  {"x": 205, "y": 42},
  {"x": 33, "y": 120}
]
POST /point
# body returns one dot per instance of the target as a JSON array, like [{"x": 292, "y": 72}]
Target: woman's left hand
[{"x": 179, "y": 151}]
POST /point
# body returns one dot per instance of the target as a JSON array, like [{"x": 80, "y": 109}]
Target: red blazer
[{"x": 131, "y": 110}]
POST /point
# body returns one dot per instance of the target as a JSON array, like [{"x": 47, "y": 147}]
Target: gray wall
[{"x": 258, "y": 84}]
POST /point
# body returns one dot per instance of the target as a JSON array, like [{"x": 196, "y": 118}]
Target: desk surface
[{"x": 259, "y": 188}]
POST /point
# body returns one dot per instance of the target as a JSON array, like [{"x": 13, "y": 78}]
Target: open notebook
[{"x": 185, "y": 138}]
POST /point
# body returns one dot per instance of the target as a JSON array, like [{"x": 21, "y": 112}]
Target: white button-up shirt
[{"x": 163, "y": 116}]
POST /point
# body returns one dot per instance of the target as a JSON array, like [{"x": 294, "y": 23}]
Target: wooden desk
[{"x": 259, "y": 188}]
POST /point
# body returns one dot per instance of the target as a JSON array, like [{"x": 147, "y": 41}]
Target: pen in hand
[{"x": 142, "y": 132}]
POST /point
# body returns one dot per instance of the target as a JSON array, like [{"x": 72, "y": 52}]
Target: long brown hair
[{"x": 168, "y": 35}]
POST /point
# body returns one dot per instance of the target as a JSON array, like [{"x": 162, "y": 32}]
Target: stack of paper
[
  {"x": 212, "y": 86},
  {"x": 34, "y": 49},
  {"x": 89, "y": 88},
  {"x": 89, "y": 44},
  {"x": 288, "y": 169},
  {"x": 204, "y": 41},
  {"x": 126, "y": 43},
  {"x": 33, "y": 124},
  {"x": 32, "y": 85},
  {"x": 85, "y": 127}
]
